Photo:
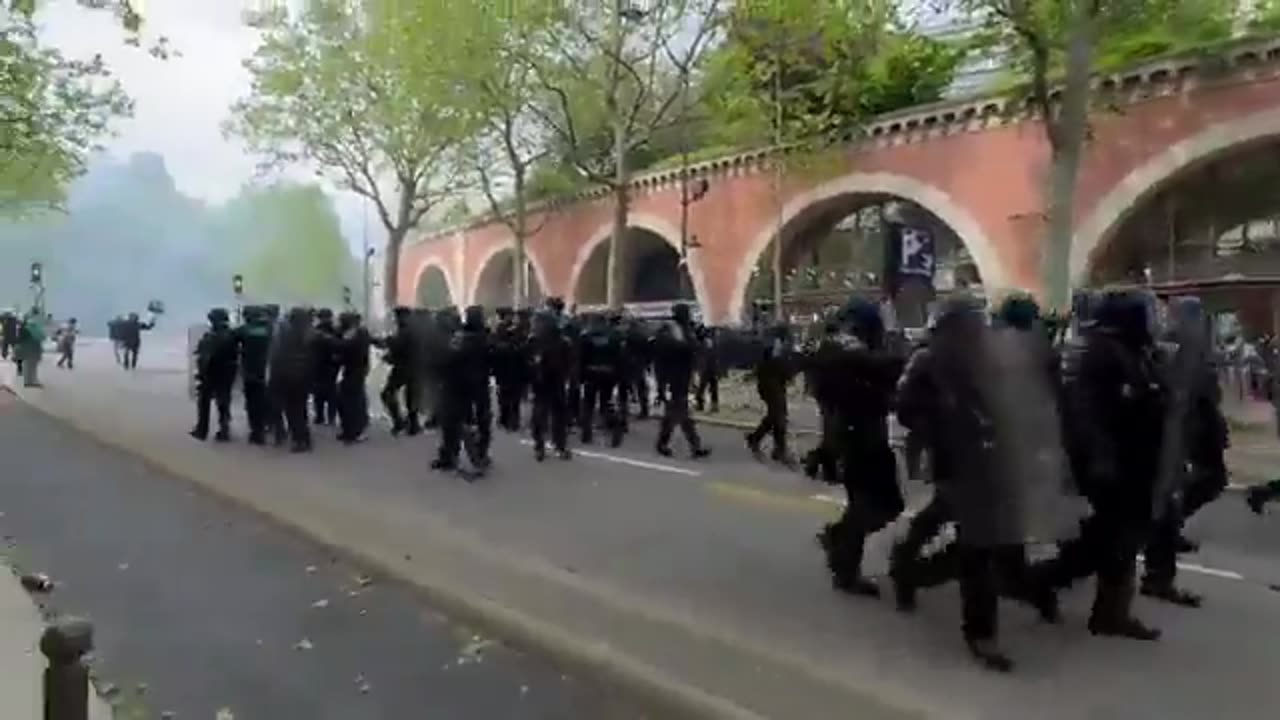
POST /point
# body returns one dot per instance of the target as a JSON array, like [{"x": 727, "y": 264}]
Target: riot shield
[
  {"x": 1031, "y": 498},
  {"x": 194, "y": 333}
]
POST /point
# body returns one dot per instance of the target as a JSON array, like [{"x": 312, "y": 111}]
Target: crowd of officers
[
  {"x": 1019, "y": 418},
  {"x": 579, "y": 371}
]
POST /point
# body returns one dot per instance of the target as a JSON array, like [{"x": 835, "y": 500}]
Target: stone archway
[
  {"x": 433, "y": 290},
  {"x": 495, "y": 284},
  {"x": 652, "y": 271},
  {"x": 1101, "y": 226},
  {"x": 916, "y": 204}
]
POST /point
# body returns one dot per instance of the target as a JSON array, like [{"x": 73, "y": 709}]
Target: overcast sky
[{"x": 181, "y": 102}]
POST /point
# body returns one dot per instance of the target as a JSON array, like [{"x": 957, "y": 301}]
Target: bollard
[{"x": 66, "y": 680}]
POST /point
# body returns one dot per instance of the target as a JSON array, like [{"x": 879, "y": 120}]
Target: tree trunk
[
  {"x": 1067, "y": 143},
  {"x": 390, "y": 268},
  {"x": 621, "y": 206},
  {"x": 519, "y": 291}
]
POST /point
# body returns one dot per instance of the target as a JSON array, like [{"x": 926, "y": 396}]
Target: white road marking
[
  {"x": 1212, "y": 572},
  {"x": 621, "y": 460}
]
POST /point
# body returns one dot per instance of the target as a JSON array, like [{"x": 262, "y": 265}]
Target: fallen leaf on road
[
  {"x": 363, "y": 685},
  {"x": 363, "y": 612},
  {"x": 225, "y": 714},
  {"x": 168, "y": 715},
  {"x": 303, "y": 644},
  {"x": 474, "y": 650},
  {"x": 311, "y": 569},
  {"x": 524, "y": 689},
  {"x": 122, "y": 566},
  {"x": 320, "y": 604},
  {"x": 141, "y": 688},
  {"x": 364, "y": 581}
]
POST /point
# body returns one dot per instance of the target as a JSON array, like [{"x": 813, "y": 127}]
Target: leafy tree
[
  {"x": 804, "y": 75},
  {"x": 286, "y": 240},
  {"x": 56, "y": 110},
  {"x": 1065, "y": 42},
  {"x": 342, "y": 86},
  {"x": 613, "y": 66},
  {"x": 506, "y": 142}
]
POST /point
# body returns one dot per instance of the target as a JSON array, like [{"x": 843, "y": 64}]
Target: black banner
[{"x": 910, "y": 252}]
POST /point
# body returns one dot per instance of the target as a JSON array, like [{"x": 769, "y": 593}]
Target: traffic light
[
  {"x": 37, "y": 273},
  {"x": 346, "y": 295},
  {"x": 237, "y": 284}
]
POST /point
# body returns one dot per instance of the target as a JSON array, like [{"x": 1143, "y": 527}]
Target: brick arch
[
  {"x": 1127, "y": 196},
  {"x": 654, "y": 224},
  {"x": 957, "y": 217},
  {"x": 494, "y": 251},
  {"x": 438, "y": 264}
]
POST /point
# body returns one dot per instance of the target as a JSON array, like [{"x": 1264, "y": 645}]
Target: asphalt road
[
  {"x": 728, "y": 542},
  {"x": 210, "y": 607}
]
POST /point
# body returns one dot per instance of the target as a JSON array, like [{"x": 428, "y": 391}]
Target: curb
[{"x": 643, "y": 683}]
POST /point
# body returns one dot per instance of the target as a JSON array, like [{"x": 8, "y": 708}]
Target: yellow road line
[{"x": 737, "y": 492}]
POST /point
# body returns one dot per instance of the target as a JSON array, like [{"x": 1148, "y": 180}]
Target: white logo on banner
[{"x": 917, "y": 252}]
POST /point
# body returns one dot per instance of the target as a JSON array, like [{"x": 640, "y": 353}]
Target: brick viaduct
[{"x": 976, "y": 164}]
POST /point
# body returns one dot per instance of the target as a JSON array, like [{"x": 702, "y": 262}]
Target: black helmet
[
  {"x": 862, "y": 318},
  {"x": 217, "y": 317},
  {"x": 473, "y": 317},
  {"x": 1018, "y": 310}
]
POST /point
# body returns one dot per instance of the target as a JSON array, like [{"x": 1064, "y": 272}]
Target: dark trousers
[
  {"x": 550, "y": 409},
  {"x": 293, "y": 406},
  {"x": 257, "y": 409},
  {"x": 324, "y": 397},
  {"x": 1107, "y": 546},
  {"x": 4, "y": 349},
  {"x": 637, "y": 386},
  {"x": 821, "y": 461},
  {"x": 275, "y": 412},
  {"x": 353, "y": 406},
  {"x": 68, "y": 357},
  {"x": 675, "y": 413},
  {"x": 131, "y": 357},
  {"x": 774, "y": 421},
  {"x": 1207, "y": 483},
  {"x": 209, "y": 394},
  {"x": 597, "y": 395},
  {"x": 510, "y": 394},
  {"x": 1269, "y": 492},
  {"x": 708, "y": 384},
  {"x": 457, "y": 411},
  {"x": 574, "y": 397},
  {"x": 398, "y": 382}
]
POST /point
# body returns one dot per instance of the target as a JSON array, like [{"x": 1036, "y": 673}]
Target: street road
[
  {"x": 722, "y": 551},
  {"x": 212, "y": 607}
]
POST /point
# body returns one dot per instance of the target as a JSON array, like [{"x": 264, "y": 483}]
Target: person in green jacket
[{"x": 30, "y": 347}]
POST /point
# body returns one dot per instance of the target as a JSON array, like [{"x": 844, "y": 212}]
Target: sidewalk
[
  {"x": 686, "y": 583},
  {"x": 21, "y": 664}
]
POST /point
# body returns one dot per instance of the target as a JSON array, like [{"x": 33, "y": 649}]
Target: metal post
[
  {"x": 684, "y": 182},
  {"x": 367, "y": 254},
  {"x": 66, "y": 680},
  {"x": 776, "y": 259}
]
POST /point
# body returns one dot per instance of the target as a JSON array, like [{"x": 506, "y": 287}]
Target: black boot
[
  {"x": 1166, "y": 591},
  {"x": 844, "y": 559},
  {"x": 987, "y": 652},
  {"x": 1112, "y": 616}
]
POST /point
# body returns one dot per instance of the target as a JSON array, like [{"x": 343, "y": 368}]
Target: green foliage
[
  {"x": 1124, "y": 31},
  {"x": 286, "y": 240},
  {"x": 352, "y": 89},
  {"x": 56, "y": 110}
]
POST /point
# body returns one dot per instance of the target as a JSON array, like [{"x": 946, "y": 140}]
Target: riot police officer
[
  {"x": 853, "y": 368},
  {"x": 551, "y": 360},
  {"x": 324, "y": 389},
  {"x": 215, "y": 375},
  {"x": 254, "y": 337},
  {"x": 600, "y": 365},
  {"x": 675, "y": 352},
  {"x": 773, "y": 373},
  {"x": 402, "y": 355},
  {"x": 354, "y": 344},
  {"x": 292, "y": 371}
]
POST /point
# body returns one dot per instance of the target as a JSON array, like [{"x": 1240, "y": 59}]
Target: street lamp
[{"x": 237, "y": 288}]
